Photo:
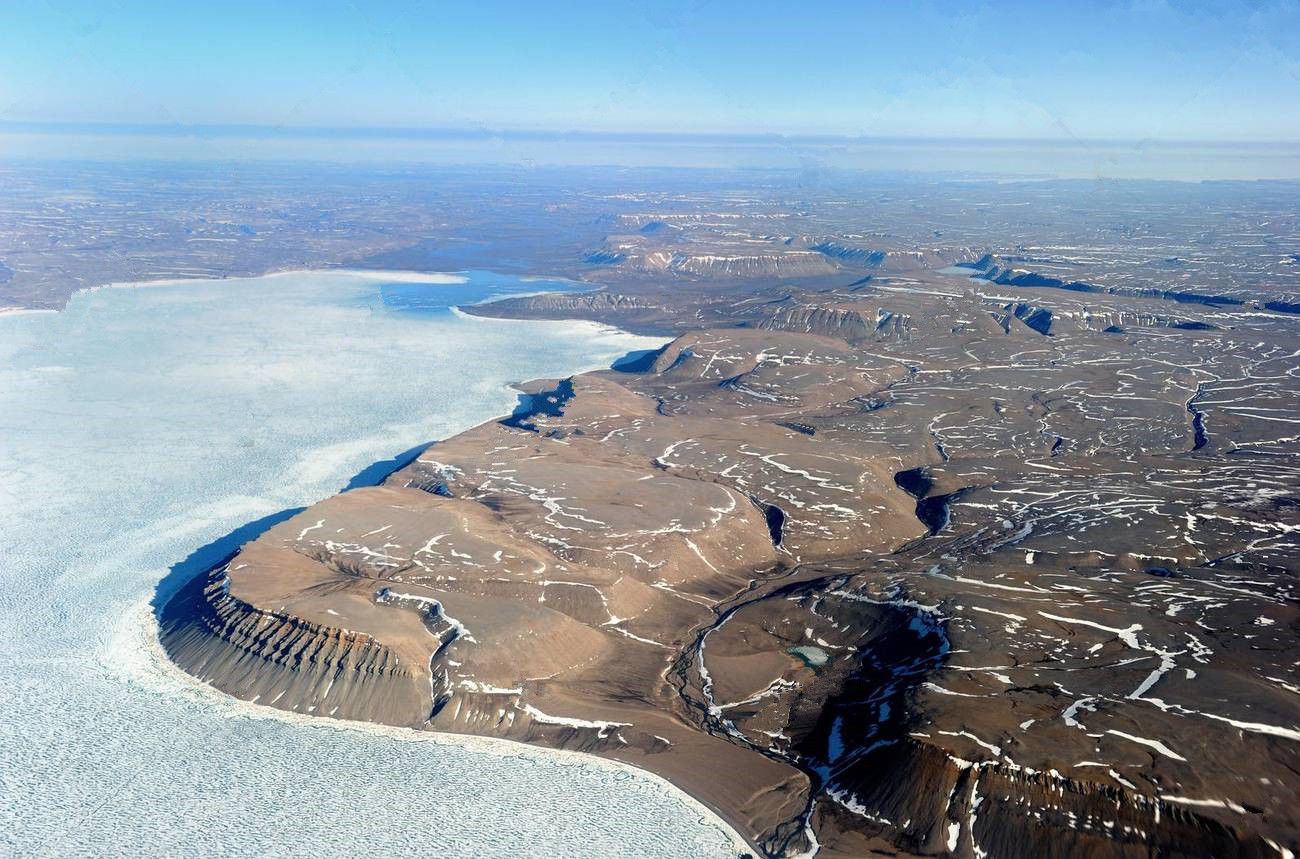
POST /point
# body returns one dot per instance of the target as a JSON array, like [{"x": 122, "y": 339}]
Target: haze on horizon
[{"x": 763, "y": 84}]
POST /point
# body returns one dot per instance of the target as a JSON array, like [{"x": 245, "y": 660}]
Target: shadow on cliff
[
  {"x": 213, "y": 554},
  {"x": 637, "y": 361},
  {"x": 376, "y": 473},
  {"x": 222, "y": 549}
]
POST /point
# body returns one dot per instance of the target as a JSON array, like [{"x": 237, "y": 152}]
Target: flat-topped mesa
[
  {"x": 278, "y": 658},
  {"x": 874, "y": 312},
  {"x": 732, "y": 263},
  {"x": 444, "y": 594}
]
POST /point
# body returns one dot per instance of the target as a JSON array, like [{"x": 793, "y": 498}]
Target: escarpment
[
  {"x": 930, "y": 802},
  {"x": 284, "y": 661},
  {"x": 850, "y": 325},
  {"x": 921, "y": 568}
]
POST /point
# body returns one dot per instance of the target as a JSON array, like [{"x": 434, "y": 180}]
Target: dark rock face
[
  {"x": 774, "y": 516},
  {"x": 1037, "y": 318},
  {"x": 989, "y": 269},
  {"x": 603, "y": 257},
  {"x": 548, "y": 403},
  {"x": 849, "y": 254}
]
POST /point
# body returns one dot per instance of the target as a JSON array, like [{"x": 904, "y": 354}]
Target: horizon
[
  {"x": 217, "y": 129},
  {"x": 478, "y": 146},
  {"x": 1103, "y": 89}
]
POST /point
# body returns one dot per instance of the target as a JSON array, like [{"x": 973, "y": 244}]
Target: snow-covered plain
[{"x": 142, "y": 424}]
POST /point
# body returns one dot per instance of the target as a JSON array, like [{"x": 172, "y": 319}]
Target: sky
[{"x": 1146, "y": 70}]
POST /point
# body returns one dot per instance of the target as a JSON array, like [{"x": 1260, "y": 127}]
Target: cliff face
[
  {"x": 921, "y": 570},
  {"x": 932, "y": 803},
  {"x": 628, "y": 310},
  {"x": 773, "y": 262},
  {"x": 1012, "y": 272},
  {"x": 284, "y": 661},
  {"x": 850, "y": 325}
]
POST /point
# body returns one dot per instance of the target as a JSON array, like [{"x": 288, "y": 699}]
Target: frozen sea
[{"x": 142, "y": 424}]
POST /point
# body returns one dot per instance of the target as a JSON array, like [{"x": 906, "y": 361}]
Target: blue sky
[{"x": 1147, "y": 70}]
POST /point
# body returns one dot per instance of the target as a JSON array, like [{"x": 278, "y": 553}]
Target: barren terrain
[{"x": 869, "y": 558}]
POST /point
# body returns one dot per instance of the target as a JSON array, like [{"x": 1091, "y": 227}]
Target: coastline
[
  {"x": 447, "y": 278},
  {"x": 597, "y": 328},
  {"x": 143, "y": 623},
  {"x": 133, "y": 651},
  {"x": 142, "y": 634},
  {"x": 137, "y": 635},
  {"x": 176, "y": 711},
  {"x": 18, "y": 310},
  {"x": 534, "y": 293}
]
